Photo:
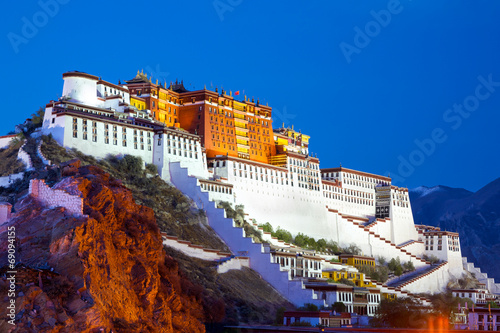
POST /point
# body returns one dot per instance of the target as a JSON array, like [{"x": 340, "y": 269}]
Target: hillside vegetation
[
  {"x": 174, "y": 213},
  {"x": 9, "y": 164}
]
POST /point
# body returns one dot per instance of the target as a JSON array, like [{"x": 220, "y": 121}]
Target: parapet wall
[
  {"x": 192, "y": 250},
  {"x": 56, "y": 198},
  {"x": 45, "y": 160},
  {"x": 5, "y": 209},
  {"x": 6, "y": 140},
  {"x": 23, "y": 156}
]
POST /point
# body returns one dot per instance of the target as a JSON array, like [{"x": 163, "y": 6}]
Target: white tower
[{"x": 80, "y": 88}]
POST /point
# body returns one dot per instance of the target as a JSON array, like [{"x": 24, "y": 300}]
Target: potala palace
[{"x": 214, "y": 147}]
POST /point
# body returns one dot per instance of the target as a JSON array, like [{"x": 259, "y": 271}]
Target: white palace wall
[
  {"x": 176, "y": 146},
  {"x": 268, "y": 196},
  {"x": 235, "y": 239},
  {"x": 100, "y": 137},
  {"x": 402, "y": 217}
]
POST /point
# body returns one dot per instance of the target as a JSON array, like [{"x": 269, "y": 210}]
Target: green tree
[
  {"x": 346, "y": 282},
  {"x": 151, "y": 168},
  {"x": 267, "y": 227},
  {"x": 308, "y": 307},
  {"x": 398, "y": 271},
  {"x": 280, "y": 315},
  {"x": 492, "y": 305},
  {"x": 381, "y": 260},
  {"x": 131, "y": 165},
  {"x": 300, "y": 240},
  {"x": 339, "y": 307},
  {"x": 408, "y": 266},
  {"x": 321, "y": 244},
  {"x": 432, "y": 259},
  {"x": 402, "y": 312},
  {"x": 353, "y": 249},
  {"x": 446, "y": 304},
  {"x": 37, "y": 118},
  {"x": 332, "y": 246},
  {"x": 283, "y": 235}
]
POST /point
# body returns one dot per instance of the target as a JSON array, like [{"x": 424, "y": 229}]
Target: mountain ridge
[{"x": 474, "y": 215}]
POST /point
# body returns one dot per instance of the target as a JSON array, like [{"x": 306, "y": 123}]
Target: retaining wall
[
  {"x": 233, "y": 263},
  {"x": 192, "y": 250},
  {"x": 56, "y": 198}
]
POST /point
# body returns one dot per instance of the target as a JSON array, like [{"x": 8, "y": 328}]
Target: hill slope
[
  {"x": 104, "y": 271},
  {"x": 476, "y": 216}
]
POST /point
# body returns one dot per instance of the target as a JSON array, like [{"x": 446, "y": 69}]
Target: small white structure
[
  {"x": 5, "y": 211},
  {"x": 6, "y": 140}
]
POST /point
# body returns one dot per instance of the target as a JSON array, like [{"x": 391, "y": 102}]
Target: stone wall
[
  {"x": 45, "y": 160},
  {"x": 233, "y": 263},
  {"x": 56, "y": 198},
  {"x": 192, "y": 250},
  {"x": 23, "y": 156},
  {"x": 5, "y": 209}
]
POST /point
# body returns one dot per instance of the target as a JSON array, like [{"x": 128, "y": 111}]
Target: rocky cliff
[{"x": 105, "y": 271}]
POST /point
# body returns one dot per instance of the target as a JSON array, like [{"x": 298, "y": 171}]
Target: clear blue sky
[{"x": 363, "y": 97}]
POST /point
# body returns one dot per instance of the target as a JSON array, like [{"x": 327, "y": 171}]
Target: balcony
[
  {"x": 360, "y": 300},
  {"x": 242, "y": 142},
  {"x": 241, "y": 126},
  {"x": 239, "y": 115},
  {"x": 241, "y": 135}
]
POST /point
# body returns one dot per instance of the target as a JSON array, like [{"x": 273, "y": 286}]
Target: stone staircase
[
  {"x": 408, "y": 278},
  {"x": 31, "y": 148},
  {"x": 423, "y": 281},
  {"x": 239, "y": 244},
  {"x": 405, "y": 255},
  {"x": 493, "y": 287}
]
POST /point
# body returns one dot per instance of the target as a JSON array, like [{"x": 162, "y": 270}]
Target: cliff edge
[{"x": 103, "y": 271}]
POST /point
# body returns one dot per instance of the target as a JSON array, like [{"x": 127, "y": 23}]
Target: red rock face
[{"x": 110, "y": 271}]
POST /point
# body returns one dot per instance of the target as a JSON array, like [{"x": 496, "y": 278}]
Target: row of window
[
  {"x": 216, "y": 188},
  {"x": 106, "y": 135},
  {"x": 176, "y": 152},
  {"x": 342, "y": 197},
  {"x": 293, "y": 262},
  {"x": 273, "y": 180},
  {"x": 360, "y": 194},
  {"x": 113, "y": 91},
  {"x": 238, "y": 116}
]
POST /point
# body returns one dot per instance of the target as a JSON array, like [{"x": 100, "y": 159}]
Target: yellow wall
[
  {"x": 357, "y": 278},
  {"x": 358, "y": 262},
  {"x": 140, "y": 105}
]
